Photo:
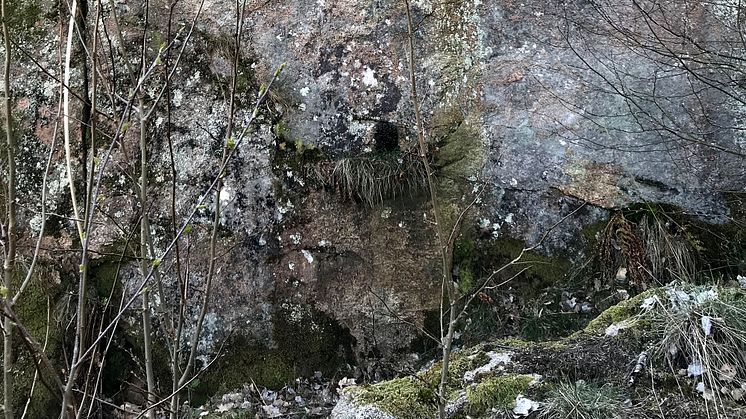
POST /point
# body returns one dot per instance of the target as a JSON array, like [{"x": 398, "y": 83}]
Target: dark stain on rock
[
  {"x": 330, "y": 60},
  {"x": 386, "y": 136},
  {"x": 390, "y": 100},
  {"x": 657, "y": 185}
]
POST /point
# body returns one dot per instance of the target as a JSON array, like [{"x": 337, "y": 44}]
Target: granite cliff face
[{"x": 516, "y": 96}]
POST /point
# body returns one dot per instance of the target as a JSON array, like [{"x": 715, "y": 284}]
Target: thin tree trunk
[
  {"x": 68, "y": 408},
  {"x": 66, "y": 118},
  {"x": 449, "y": 295},
  {"x": 145, "y": 258},
  {"x": 10, "y": 231}
]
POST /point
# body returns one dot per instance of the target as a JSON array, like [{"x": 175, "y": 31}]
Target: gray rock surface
[{"x": 552, "y": 136}]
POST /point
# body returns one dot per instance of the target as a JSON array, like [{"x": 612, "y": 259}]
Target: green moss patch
[
  {"x": 416, "y": 396},
  {"x": 305, "y": 341},
  {"x": 33, "y": 309},
  {"x": 405, "y": 398},
  {"x": 625, "y": 310},
  {"x": 458, "y": 364},
  {"x": 498, "y": 391}
]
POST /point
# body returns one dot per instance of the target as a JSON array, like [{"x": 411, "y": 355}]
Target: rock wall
[{"x": 515, "y": 97}]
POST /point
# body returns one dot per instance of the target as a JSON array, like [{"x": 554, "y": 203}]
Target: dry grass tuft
[
  {"x": 650, "y": 252},
  {"x": 373, "y": 178},
  {"x": 702, "y": 334},
  {"x": 582, "y": 400}
]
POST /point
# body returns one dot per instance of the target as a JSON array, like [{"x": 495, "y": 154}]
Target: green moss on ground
[
  {"x": 416, "y": 396},
  {"x": 404, "y": 398},
  {"x": 496, "y": 391},
  {"x": 625, "y": 310},
  {"x": 458, "y": 364},
  {"x": 515, "y": 343}
]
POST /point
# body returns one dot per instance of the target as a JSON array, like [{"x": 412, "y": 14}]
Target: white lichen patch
[
  {"x": 357, "y": 128},
  {"x": 177, "y": 98},
  {"x": 614, "y": 329},
  {"x": 57, "y": 186},
  {"x": 284, "y": 209},
  {"x": 496, "y": 359},
  {"x": 206, "y": 343},
  {"x": 295, "y": 313},
  {"x": 369, "y": 77},
  {"x": 225, "y": 196},
  {"x": 194, "y": 79},
  {"x": 524, "y": 406},
  {"x": 726, "y": 10},
  {"x": 35, "y": 223}
]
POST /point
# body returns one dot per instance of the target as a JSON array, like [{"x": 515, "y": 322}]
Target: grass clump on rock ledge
[
  {"x": 582, "y": 400},
  {"x": 375, "y": 177}
]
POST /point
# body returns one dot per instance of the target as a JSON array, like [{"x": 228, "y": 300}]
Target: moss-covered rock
[
  {"x": 458, "y": 364},
  {"x": 406, "y": 397},
  {"x": 416, "y": 396},
  {"x": 35, "y": 309},
  {"x": 305, "y": 341},
  {"x": 497, "y": 391},
  {"x": 624, "y": 310}
]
